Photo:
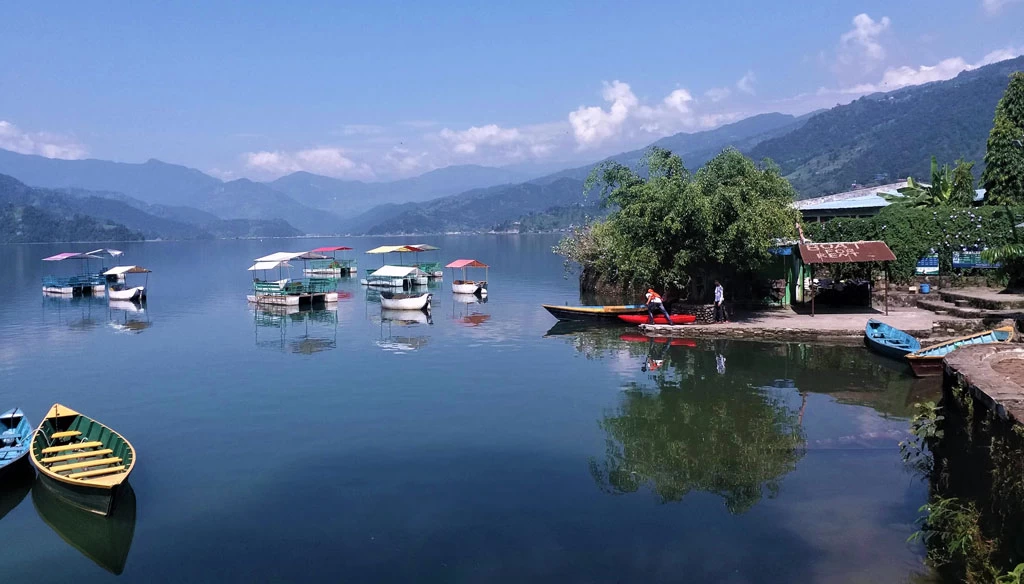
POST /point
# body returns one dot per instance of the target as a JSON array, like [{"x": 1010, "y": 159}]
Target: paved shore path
[
  {"x": 994, "y": 374},
  {"x": 787, "y": 324}
]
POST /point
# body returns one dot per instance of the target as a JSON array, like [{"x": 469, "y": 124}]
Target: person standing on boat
[
  {"x": 654, "y": 302},
  {"x": 720, "y": 314}
]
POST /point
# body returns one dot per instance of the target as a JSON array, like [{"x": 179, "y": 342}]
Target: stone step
[
  {"x": 948, "y": 308},
  {"x": 984, "y": 300}
]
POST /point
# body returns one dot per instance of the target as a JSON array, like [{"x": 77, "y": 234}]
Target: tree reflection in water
[
  {"x": 725, "y": 417},
  {"x": 732, "y": 440}
]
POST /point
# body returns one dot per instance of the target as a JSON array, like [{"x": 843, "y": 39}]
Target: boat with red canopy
[
  {"x": 465, "y": 285},
  {"x": 644, "y": 319},
  {"x": 332, "y": 266}
]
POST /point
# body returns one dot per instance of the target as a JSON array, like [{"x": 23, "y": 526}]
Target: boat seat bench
[
  {"x": 68, "y": 434},
  {"x": 72, "y": 446},
  {"x": 74, "y": 455},
  {"x": 94, "y": 473},
  {"x": 86, "y": 464}
]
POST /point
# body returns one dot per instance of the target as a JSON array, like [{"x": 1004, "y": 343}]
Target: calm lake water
[{"x": 487, "y": 446}]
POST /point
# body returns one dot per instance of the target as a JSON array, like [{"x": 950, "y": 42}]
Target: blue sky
[{"x": 378, "y": 90}]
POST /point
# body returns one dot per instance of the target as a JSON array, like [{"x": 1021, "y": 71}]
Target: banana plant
[{"x": 942, "y": 192}]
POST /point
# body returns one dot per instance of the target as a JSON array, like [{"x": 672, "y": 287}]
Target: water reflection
[
  {"x": 727, "y": 417},
  {"x": 77, "y": 313},
  {"x": 16, "y": 485},
  {"x": 302, "y": 331},
  {"x": 106, "y": 540},
  {"x": 128, "y": 316},
  {"x": 673, "y": 437},
  {"x": 466, "y": 309}
]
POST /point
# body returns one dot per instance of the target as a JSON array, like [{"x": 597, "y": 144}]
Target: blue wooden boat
[
  {"x": 889, "y": 341},
  {"x": 928, "y": 361},
  {"x": 15, "y": 439}
]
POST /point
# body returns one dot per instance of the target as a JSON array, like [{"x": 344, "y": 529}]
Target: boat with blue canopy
[
  {"x": 888, "y": 340},
  {"x": 928, "y": 361}
]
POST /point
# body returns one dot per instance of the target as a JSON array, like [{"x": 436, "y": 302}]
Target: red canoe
[
  {"x": 673, "y": 342},
  {"x": 643, "y": 319}
]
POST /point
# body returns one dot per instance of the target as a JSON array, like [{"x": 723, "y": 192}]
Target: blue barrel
[{"x": 926, "y": 288}]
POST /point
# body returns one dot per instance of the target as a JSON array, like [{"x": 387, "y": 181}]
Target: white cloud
[
  {"x": 361, "y": 130},
  {"x": 494, "y": 144},
  {"x": 861, "y": 44},
  {"x": 897, "y": 77},
  {"x": 592, "y": 125},
  {"x": 404, "y": 161},
  {"x": 746, "y": 83},
  {"x": 40, "y": 143},
  {"x": 716, "y": 94},
  {"x": 468, "y": 141},
  {"x": 627, "y": 117},
  {"x": 327, "y": 161},
  {"x": 995, "y": 6}
]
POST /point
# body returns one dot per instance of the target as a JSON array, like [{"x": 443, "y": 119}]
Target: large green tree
[
  {"x": 1004, "y": 158},
  {"x": 674, "y": 225},
  {"x": 1004, "y": 173}
]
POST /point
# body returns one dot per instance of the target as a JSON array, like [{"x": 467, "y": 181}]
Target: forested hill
[{"x": 889, "y": 136}]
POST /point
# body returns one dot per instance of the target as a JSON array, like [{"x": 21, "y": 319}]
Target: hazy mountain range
[{"x": 876, "y": 138}]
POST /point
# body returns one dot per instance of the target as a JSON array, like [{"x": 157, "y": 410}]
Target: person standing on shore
[
  {"x": 720, "y": 314},
  {"x": 654, "y": 302}
]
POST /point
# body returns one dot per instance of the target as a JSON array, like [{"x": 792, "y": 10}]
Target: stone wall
[{"x": 979, "y": 458}]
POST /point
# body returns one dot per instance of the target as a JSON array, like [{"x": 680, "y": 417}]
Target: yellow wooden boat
[{"x": 85, "y": 461}]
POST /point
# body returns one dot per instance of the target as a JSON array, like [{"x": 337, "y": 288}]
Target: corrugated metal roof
[{"x": 846, "y": 252}]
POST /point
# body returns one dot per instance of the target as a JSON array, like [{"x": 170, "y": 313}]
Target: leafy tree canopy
[
  {"x": 1004, "y": 158},
  {"x": 674, "y": 225}
]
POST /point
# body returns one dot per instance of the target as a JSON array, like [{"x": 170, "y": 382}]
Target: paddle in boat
[
  {"x": 84, "y": 461},
  {"x": 660, "y": 319},
  {"x": 593, "y": 313},
  {"x": 15, "y": 438},
  {"x": 889, "y": 341},
  {"x": 104, "y": 540},
  {"x": 120, "y": 290},
  {"x": 399, "y": 301},
  {"x": 928, "y": 361},
  {"x": 467, "y": 286}
]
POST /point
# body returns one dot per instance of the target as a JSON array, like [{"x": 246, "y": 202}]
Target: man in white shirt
[{"x": 720, "y": 314}]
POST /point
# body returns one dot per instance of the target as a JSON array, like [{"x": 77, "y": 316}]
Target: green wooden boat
[{"x": 85, "y": 461}]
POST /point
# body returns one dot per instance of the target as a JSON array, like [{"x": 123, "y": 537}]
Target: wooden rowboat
[
  {"x": 397, "y": 301},
  {"x": 593, "y": 313},
  {"x": 658, "y": 319},
  {"x": 928, "y": 361},
  {"x": 84, "y": 461},
  {"x": 889, "y": 341},
  {"x": 15, "y": 437}
]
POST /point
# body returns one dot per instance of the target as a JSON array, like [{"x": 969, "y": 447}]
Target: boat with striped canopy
[
  {"x": 928, "y": 361},
  {"x": 15, "y": 437},
  {"x": 85, "y": 461}
]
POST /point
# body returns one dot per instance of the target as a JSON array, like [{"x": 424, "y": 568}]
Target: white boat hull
[
  {"x": 421, "y": 302},
  {"x": 469, "y": 287},
  {"x": 136, "y": 293},
  {"x": 70, "y": 290}
]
